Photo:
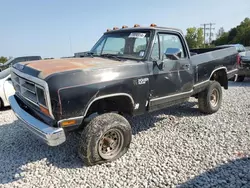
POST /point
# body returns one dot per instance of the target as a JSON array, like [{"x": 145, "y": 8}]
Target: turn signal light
[
  {"x": 238, "y": 59},
  {"x": 44, "y": 110},
  {"x": 136, "y": 25},
  {"x": 124, "y": 26},
  {"x": 153, "y": 25},
  {"x": 115, "y": 28},
  {"x": 68, "y": 123}
]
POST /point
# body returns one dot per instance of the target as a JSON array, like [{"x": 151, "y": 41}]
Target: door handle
[{"x": 186, "y": 66}]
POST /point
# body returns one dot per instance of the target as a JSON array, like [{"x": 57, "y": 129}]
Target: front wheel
[
  {"x": 1, "y": 104},
  {"x": 106, "y": 138},
  {"x": 210, "y": 99}
]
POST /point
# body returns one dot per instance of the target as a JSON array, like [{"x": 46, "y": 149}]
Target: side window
[
  {"x": 242, "y": 48},
  {"x": 238, "y": 48},
  {"x": 14, "y": 61},
  {"x": 32, "y": 58},
  {"x": 155, "y": 51},
  {"x": 171, "y": 41},
  {"x": 20, "y": 59},
  {"x": 113, "y": 44}
]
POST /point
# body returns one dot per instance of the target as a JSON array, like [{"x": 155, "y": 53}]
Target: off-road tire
[
  {"x": 204, "y": 98},
  {"x": 93, "y": 133},
  {"x": 1, "y": 104},
  {"x": 240, "y": 79}
]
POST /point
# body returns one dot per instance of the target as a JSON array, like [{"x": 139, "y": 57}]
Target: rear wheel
[
  {"x": 210, "y": 99},
  {"x": 106, "y": 138}
]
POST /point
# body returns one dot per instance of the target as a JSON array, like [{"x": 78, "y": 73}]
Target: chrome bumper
[{"x": 50, "y": 135}]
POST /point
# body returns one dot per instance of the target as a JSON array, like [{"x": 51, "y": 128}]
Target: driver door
[{"x": 172, "y": 79}]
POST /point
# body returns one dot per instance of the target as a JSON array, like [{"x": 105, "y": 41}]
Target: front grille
[{"x": 29, "y": 90}]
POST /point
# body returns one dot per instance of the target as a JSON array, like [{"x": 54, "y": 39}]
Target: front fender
[{"x": 75, "y": 101}]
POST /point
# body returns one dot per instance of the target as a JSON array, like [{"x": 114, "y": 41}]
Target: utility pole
[
  {"x": 210, "y": 33},
  {"x": 204, "y": 31}
]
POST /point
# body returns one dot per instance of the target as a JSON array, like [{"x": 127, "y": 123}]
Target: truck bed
[
  {"x": 205, "y": 50},
  {"x": 210, "y": 59}
]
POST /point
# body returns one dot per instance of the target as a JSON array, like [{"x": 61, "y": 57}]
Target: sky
[{"x": 60, "y": 28}]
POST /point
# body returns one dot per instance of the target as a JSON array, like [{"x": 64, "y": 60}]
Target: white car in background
[
  {"x": 14, "y": 60},
  {"x": 6, "y": 88}
]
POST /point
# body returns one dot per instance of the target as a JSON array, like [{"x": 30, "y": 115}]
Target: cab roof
[{"x": 143, "y": 28}]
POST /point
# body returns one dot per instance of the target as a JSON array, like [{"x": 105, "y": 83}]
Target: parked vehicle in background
[
  {"x": 15, "y": 60},
  {"x": 243, "y": 66},
  {"x": 239, "y": 47},
  {"x": 6, "y": 88},
  {"x": 128, "y": 71}
]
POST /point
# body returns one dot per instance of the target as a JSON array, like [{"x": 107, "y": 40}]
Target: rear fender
[{"x": 220, "y": 75}]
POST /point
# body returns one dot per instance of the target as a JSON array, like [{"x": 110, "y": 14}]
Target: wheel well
[
  {"x": 121, "y": 104},
  {"x": 221, "y": 77}
]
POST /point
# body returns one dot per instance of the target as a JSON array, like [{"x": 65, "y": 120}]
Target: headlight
[{"x": 41, "y": 96}]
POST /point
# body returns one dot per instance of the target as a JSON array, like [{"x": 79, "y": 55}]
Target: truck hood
[{"x": 52, "y": 66}]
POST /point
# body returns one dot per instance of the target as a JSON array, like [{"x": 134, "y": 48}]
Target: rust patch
[{"x": 51, "y": 66}]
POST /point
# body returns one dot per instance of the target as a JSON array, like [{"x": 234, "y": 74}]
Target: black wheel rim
[{"x": 110, "y": 144}]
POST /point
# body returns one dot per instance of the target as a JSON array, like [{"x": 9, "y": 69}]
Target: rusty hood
[{"x": 52, "y": 66}]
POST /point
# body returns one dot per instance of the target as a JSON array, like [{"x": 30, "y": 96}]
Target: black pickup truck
[
  {"x": 243, "y": 62},
  {"x": 129, "y": 71}
]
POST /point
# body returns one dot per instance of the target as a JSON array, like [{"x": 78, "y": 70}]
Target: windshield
[{"x": 123, "y": 44}]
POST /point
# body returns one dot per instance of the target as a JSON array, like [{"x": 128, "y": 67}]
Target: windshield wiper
[{"x": 110, "y": 56}]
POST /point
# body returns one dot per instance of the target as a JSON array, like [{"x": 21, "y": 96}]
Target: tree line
[
  {"x": 3, "y": 59},
  {"x": 237, "y": 35}
]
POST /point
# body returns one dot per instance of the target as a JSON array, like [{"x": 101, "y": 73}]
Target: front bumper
[{"x": 50, "y": 135}]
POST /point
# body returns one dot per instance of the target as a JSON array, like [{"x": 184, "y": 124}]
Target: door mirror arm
[
  {"x": 159, "y": 64},
  {"x": 172, "y": 53}
]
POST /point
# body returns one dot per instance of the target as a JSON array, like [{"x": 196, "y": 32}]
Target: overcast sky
[{"x": 33, "y": 27}]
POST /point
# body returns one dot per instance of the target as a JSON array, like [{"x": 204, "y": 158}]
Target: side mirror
[{"x": 173, "y": 53}]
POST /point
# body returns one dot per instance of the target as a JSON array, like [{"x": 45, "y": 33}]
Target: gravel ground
[{"x": 176, "y": 147}]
